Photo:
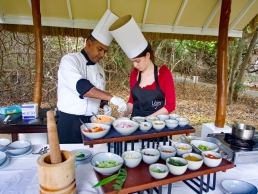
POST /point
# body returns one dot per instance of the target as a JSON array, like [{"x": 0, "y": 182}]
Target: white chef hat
[
  {"x": 128, "y": 35},
  {"x": 101, "y": 32}
]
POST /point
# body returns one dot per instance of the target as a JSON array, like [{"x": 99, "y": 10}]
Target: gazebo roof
[{"x": 195, "y": 17}]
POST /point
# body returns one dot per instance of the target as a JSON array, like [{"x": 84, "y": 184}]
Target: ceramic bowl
[
  {"x": 132, "y": 158},
  {"x": 173, "y": 116},
  {"x": 193, "y": 164},
  {"x": 139, "y": 119},
  {"x": 166, "y": 151},
  {"x": 231, "y": 186},
  {"x": 163, "y": 117},
  {"x": 176, "y": 170},
  {"x": 2, "y": 157},
  {"x": 125, "y": 127},
  {"x": 211, "y": 162},
  {"x": 211, "y": 146},
  {"x": 188, "y": 139},
  {"x": 183, "y": 148},
  {"x": 145, "y": 126},
  {"x": 150, "y": 155},
  {"x": 150, "y": 119},
  {"x": 107, "y": 120},
  {"x": 158, "y": 125},
  {"x": 3, "y": 143},
  {"x": 18, "y": 147},
  {"x": 95, "y": 135},
  {"x": 171, "y": 124},
  {"x": 104, "y": 157},
  {"x": 182, "y": 121},
  {"x": 212, "y": 140},
  {"x": 123, "y": 118},
  {"x": 158, "y": 171}
]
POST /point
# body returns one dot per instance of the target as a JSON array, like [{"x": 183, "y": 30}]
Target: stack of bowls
[
  {"x": 2, "y": 157},
  {"x": 182, "y": 121},
  {"x": 163, "y": 117},
  {"x": 3, "y": 144},
  {"x": 174, "y": 116},
  {"x": 18, "y": 147},
  {"x": 171, "y": 124}
]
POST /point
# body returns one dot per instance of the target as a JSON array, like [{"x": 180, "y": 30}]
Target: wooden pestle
[{"x": 54, "y": 148}]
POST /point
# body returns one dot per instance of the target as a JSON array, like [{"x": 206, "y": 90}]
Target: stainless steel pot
[{"x": 243, "y": 131}]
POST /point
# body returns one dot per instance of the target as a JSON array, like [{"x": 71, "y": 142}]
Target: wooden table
[
  {"x": 16, "y": 126},
  {"x": 139, "y": 178},
  {"x": 114, "y": 136}
]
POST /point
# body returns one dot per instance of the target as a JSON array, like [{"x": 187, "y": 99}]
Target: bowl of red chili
[{"x": 211, "y": 159}]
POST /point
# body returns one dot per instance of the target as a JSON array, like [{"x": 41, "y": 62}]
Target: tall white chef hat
[
  {"x": 128, "y": 35},
  {"x": 101, "y": 32}
]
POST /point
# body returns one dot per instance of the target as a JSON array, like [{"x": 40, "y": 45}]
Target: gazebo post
[
  {"x": 222, "y": 70},
  {"x": 37, "y": 92}
]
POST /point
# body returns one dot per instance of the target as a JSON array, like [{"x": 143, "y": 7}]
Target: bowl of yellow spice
[{"x": 195, "y": 161}]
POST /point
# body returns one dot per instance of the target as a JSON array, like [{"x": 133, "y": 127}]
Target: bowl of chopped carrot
[
  {"x": 103, "y": 119},
  {"x": 97, "y": 130}
]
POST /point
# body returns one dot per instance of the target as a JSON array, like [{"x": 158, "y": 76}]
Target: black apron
[
  {"x": 146, "y": 102},
  {"x": 68, "y": 127}
]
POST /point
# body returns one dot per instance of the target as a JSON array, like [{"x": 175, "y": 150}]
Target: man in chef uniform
[{"x": 81, "y": 83}]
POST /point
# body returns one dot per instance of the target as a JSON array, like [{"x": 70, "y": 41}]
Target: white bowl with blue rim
[
  {"x": 3, "y": 143},
  {"x": 18, "y": 147},
  {"x": 2, "y": 157},
  {"x": 95, "y": 135},
  {"x": 106, "y": 163},
  {"x": 158, "y": 171},
  {"x": 232, "y": 186},
  {"x": 125, "y": 127}
]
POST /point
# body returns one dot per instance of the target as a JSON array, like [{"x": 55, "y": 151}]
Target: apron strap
[{"x": 155, "y": 77}]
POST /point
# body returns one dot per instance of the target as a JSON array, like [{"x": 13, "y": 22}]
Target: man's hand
[
  {"x": 119, "y": 102},
  {"x": 107, "y": 110}
]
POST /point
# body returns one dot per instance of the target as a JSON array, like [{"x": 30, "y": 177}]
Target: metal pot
[{"x": 243, "y": 131}]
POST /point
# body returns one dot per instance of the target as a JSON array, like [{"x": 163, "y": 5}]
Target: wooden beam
[
  {"x": 211, "y": 16},
  {"x": 145, "y": 13},
  {"x": 38, "y": 80},
  {"x": 222, "y": 70},
  {"x": 180, "y": 13},
  {"x": 241, "y": 14}
]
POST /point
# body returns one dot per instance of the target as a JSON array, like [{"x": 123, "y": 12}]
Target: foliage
[{"x": 120, "y": 178}]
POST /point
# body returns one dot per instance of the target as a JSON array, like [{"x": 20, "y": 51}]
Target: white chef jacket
[{"x": 73, "y": 68}]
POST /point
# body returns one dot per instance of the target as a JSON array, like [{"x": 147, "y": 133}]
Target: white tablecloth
[{"x": 20, "y": 175}]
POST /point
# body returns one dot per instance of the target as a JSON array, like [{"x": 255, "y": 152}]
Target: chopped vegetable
[
  {"x": 203, "y": 147},
  {"x": 79, "y": 154},
  {"x": 175, "y": 162},
  {"x": 157, "y": 170},
  {"x": 107, "y": 164},
  {"x": 211, "y": 156}
]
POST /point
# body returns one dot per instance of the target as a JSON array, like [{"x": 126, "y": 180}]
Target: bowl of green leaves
[
  {"x": 107, "y": 163},
  {"x": 158, "y": 171},
  {"x": 176, "y": 165}
]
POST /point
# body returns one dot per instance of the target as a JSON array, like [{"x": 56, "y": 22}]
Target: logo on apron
[{"x": 155, "y": 104}]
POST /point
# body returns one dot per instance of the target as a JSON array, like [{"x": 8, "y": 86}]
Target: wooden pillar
[
  {"x": 38, "y": 80},
  {"x": 222, "y": 69}
]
